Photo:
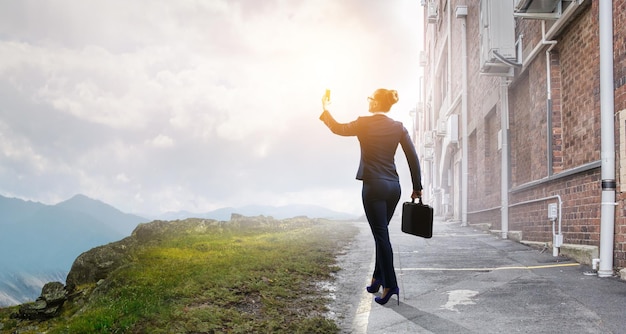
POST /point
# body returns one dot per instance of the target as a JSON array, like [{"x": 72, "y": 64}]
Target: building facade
[{"x": 513, "y": 129}]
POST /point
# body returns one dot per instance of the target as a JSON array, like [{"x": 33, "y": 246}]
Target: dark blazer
[{"x": 379, "y": 137}]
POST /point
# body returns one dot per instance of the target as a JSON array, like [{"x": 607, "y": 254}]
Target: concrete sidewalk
[{"x": 465, "y": 280}]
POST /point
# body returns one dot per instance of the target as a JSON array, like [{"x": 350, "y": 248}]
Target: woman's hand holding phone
[{"x": 326, "y": 99}]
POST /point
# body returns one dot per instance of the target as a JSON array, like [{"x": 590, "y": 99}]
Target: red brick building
[{"x": 534, "y": 66}]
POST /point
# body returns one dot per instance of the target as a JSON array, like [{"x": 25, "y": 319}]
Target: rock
[
  {"x": 48, "y": 305},
  {"x": 54, "y": 293},
  {"x": 147, "y": 231},
  {"x": 98, "y": 263}
]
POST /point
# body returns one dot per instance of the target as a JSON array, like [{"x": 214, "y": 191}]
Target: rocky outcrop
[
  {"x": 97, "y": 264},
  {"x": 48, "y": 305}
]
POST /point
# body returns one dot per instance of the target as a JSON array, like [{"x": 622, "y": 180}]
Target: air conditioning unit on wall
[
  {"x": 497, "y": 36},
  {"x": 423, "y": 59},
  {"x": 429, "y": 139},
  {"x": 453, "y": 129},
  {"x": 429, "y": 154},
  {"x": 536, "y": 6},
  {"x": 432, "y": 12},
  {"x": 442, "y": 126}
]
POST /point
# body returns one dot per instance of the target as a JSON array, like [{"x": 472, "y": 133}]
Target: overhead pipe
[
  {"x": 554, "y": 29},
  {"x": 607, "y": 149}
]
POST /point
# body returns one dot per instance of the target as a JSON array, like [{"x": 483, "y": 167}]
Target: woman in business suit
[{"x": 379, "y": 137}]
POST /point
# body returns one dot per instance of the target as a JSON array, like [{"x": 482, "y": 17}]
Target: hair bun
[
  {"x": 386, "y": 98},
  {"x": 392, "y": 96}
]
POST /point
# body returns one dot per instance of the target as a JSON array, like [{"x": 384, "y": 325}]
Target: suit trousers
[{"x": 380, "y": 198}]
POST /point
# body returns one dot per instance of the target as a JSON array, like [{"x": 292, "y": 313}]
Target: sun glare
[
  {"x": 338, "y": 70},
  {"x": 326, "y": 72}
]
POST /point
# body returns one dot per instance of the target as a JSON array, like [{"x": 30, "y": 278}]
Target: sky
[{"x": 159, "y": 106}]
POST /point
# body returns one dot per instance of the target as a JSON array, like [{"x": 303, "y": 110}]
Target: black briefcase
[{"x": 417, "y": 219}]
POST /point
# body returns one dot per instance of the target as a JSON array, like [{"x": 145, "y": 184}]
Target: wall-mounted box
[
  {"x": 432, "y": 12},
  {"x": 453, "y": 128},
  {"x": 497, "y": 36}
]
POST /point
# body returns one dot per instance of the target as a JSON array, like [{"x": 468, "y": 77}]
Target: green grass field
[{"x": 225, "y": 280}]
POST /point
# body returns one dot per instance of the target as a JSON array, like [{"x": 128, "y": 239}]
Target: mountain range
[
  {"x": 38, "y": 236},
  {"x": 39, "y": 241},
  {"x": 277, "y": 212}
]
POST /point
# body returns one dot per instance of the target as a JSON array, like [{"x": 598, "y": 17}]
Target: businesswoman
[{"x": 379, "y": 137}]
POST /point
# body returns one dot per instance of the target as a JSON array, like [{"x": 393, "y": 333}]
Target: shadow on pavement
[{"x": 429, "y": 321}]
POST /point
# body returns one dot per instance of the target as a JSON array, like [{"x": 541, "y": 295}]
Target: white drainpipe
[
  {"x": 504, "y": 182},
  {"x": 607, "y": 150},
  {"x": 461, "y": 13},
  {"x": 549, "y": 93}
]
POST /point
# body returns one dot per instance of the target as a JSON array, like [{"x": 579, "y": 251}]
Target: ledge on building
[
  {"x": 583, "y": 254},
  {"x": 481, "y": 226},
  {"x": 513, "y": 235}
]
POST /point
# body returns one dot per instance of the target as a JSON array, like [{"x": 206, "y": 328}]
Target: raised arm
[{"x": 342, "y": 129}]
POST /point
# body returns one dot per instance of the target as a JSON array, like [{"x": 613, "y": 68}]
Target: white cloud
[
  {"x": 162, "y": 141},
  {"x": 158, "y": 106},
  {"x": 16, "y": 150},
  {"x": 121, "y": 177}
]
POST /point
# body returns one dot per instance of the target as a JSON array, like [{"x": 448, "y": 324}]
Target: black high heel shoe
[
  {"x": 374, "y": 287},
  {"x": 383, "y": 300}
]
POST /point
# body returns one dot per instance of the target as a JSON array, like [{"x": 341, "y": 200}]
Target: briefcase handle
[{"x": 413, "y": 200}]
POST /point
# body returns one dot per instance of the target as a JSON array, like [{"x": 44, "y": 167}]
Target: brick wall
[
  {"x": 575, "y": 132},
  {"x": 557, "y": 114},
  {"x": 483, "y": 123},
  {"x": 580, "y": 89},
  {"x": 581, "y": 210},
  {"x": 523, "y": 133},
  {"x": 575, "y": 135}
]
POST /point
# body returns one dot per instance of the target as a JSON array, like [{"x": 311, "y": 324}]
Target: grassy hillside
[{"x": 233, "y": 278}]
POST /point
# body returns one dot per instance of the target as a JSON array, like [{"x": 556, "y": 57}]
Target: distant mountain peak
[
  {"x": 80, "y": 198},
  {"x": 37, "y": 237}
]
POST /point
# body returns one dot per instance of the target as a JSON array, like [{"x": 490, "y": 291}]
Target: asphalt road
[{"x": 468, "y": 281}]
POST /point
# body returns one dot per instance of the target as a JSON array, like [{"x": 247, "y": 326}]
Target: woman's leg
[{"x": 380, "y": 198}]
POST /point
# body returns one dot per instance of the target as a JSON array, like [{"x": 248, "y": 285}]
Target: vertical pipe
[
  {"x": 429, "y": 108},
  {"x": 464, "y": 122},
  {"x": 545, "y": 41},
  {"x": 607, "y": 150},
  {"x": 549, "y": 109},
  {"x": 504, "y": 182}
]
